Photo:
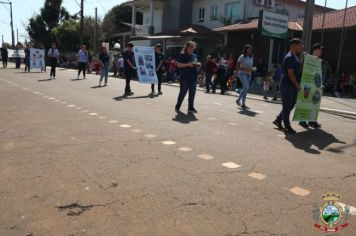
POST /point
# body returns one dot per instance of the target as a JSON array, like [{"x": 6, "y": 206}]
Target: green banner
[{"x": 309, "y": 97}]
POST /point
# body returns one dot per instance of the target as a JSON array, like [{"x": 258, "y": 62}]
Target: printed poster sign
[
  {"x": 309, "y": 97},
  {"x": 16, "y": 53},
  {"x": 145, "y": 64},
  {"x": 37, "y": 58},
  {"x": 273, "y": 25}
]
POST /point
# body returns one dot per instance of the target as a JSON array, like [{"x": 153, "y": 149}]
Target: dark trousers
[
  {"x": 128, "y": 76},
  {"x": 82, "y": 66},
  {"x": 4, "y": 63},
  {"x": 221, "y": 80},
  {"x": 27, "y": 64},
  {"x": 289, "y": 99},
  {"x": 159, "y": 76},
  {"x": 53, "y": 64},
  {"x": 185, "y": 86},
  {"x": 208, "y": 83}
]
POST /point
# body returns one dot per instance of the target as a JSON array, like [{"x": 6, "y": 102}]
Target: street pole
[
  {"x": 308, "y": 24},
  {"x": 2, "y": 39},
  {"x": 81, "y": 20},
  {"x": 11, "y": 23},
  {"x": 323, "y": 24},
  {"x": 95, "y": 30},
  {"x": 17, "y": 35},
  {"x": 341, "y": 47}
]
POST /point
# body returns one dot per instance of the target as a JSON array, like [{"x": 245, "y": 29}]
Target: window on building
[
  {"x": 201, "y": 14},
  {"x": 214, "y": 12},
  {"x": 233, "y": 10}
]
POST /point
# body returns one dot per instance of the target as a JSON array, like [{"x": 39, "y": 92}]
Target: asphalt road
[{"x": 80, "y": 160}]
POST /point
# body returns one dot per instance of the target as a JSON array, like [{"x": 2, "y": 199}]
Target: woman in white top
[
  {"x": 53, "y": 55},
  {"x": 244, "y": 69}
]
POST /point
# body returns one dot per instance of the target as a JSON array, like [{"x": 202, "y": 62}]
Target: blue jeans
[
  {"x": 289, "y": 99},
  {"x": 208, "y": 81},
  {"x": 245, "y": 80},
  {"x": 104, "y": 72},
  {"x": 185, "y": 86}
]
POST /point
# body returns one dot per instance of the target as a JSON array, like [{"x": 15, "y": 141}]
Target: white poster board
[
  {"x": 145, "y": 64},
  {"x": 16, "y": 53},
  {"x": 37, "y": 58}
]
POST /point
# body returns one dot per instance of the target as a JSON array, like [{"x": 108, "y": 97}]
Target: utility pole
[
  {"x": 341, "y": 48},
  {"x": 81, "y": 20},
  {"x": 2, "y": 38},
  {"x": 323, "y": 24},
  {"x": 11, "y": 23},
  {"x": 95, "y": 30},
  {"x": 308, "y": 24},
  {"x": 17, "y": 35}
]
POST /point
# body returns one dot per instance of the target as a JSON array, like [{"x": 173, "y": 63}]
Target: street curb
[{"x": 323, "y": 109}]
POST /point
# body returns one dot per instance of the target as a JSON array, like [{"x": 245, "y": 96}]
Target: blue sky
[{"x": 24, "y": 9}]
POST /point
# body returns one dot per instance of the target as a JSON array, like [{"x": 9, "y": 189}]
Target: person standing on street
[
  {"x": 27, "y": 58},
  {"x": 277, "y": 75},
  {"x": 104, "y": 64},
  {"x": 244, "y": 67},
  {"x": 210, "y": 70},
  {"x": 317, "y": 50},
  {"x": 290, "y": 85},
  {"x": 4, "y": 56},
  {"x": 53, "y": 55},
  {"x": 129, "y": 67},
  {"x": 159, "y": 68},
  {"x": 188, "y": 66},
  {"x": 83, "y": 59}
]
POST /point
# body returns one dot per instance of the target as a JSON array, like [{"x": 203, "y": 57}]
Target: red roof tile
[{"x": 333, "y": 20}]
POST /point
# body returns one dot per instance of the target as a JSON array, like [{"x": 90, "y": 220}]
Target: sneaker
[
  {"x": 315, "y": 125},
  {"x": 274, "y": 99},
  {"x": 53, "y": 77},
  {"x": 50, "y": 77},
  {"x": 160, "y": 93},
  {"x": 278, "y": 124},
  {"x": 290, "y": 130},
  {"x": 78, "y": 78},
  {"x": 245, "y": 107},
  {"x": 304, "y": 124},
  {"x": 238, "y": 103},
  {"x": 131, "y": 93},
  {"x": 106, "y": 85},
  {"x": 265, "y": 98},
  {"x": 192, "y": 110}
]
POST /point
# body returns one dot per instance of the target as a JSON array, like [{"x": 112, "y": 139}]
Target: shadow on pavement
[
  {"x": 316, "y": 137},
  {"x": 341, "y": 115},
  {"x": 185, "y": 118},
  {"x": 97, "y": 86},
  {"x": 246, "y": 112},
  {"x": 44, "y": 80},
  {"x": 123, "y": 97},
  {"x": 75, "y": 79}
]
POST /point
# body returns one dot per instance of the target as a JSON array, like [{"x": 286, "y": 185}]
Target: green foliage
[
  {"x": 67, "y": 35},
  {"x": 40, "y": 25}
]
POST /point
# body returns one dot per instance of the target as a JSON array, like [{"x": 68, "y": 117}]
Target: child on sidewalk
[{"x": 266, "y": 84}]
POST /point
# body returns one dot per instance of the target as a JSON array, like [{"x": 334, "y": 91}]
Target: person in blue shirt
[
  {"x": 83, "y": 59},
  {"x": 159, "y": 68},
  {"x": 188, "y": 66},
  {"x": 290, "y": 85},
  {"x": 53, "y": 56}
]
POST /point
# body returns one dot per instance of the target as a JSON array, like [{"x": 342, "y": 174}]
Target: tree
[
  {"x": 114, "y": 19},
  {"x": 41, "y": 25}
]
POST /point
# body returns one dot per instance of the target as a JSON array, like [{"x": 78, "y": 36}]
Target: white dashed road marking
[
  {"x": 211, "y": 118},
  {"x": 150, "y": 136},
  {"x": 299, "y": 191},
  {"x": 257, "y": 176},
  {"x": 125, "y": 126},
  {"x": 168, "y": 142},
  {"x": 206, "y": 157},
  {"x": 113, "y": 121},
  {"x": 184, "y": 149},
  {"x": 71, "y": 106},
  {"x": 102, "y": 117},
  {"x": 93, "y": 114},
  {"x": 136, "y": 131},
  {"x": 231, "y": 165}
]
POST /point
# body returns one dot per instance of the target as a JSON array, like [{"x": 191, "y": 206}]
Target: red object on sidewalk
[{"x": 96, "y": 68}]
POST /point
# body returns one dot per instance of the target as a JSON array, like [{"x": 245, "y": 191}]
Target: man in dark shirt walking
[
  {"x": 129, "y": 67},
  {"x": 290, "y": 84},
  {"x": 159, "y": 68},
  {"x": 4, "y": 56}
]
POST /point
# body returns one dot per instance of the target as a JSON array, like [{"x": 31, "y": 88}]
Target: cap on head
[
  {"x": 130, "y": 45},
  {"x": 295, "y": 41},
  {"x": 158, "y": 45},
  {"x": 317, "y": 46}
]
